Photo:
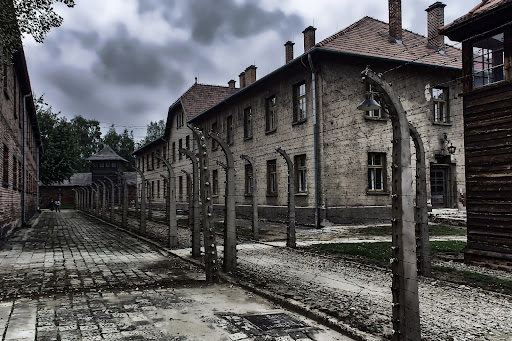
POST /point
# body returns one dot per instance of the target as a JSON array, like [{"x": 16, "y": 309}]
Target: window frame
[
  {"x": 299, "y": 102},
  {"x": 270, "y": 114},
  {"x": 272, "y": 184},
  {"x": 215, "y": 182},
  {"x": 487, "y": 67},
  {"x": 373, "y": 171},
  {"x": 249, "y": 179},
  {"x": 301, "y": 174},
  {"x": 439, "y": 103},
  {"x": 248, "y": 123}
]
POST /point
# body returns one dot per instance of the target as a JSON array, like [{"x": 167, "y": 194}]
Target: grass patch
[
  {"x": 434, "y": 230},
  {"x": 381, "y": 251},
  {"x": 474, "y": 279}
]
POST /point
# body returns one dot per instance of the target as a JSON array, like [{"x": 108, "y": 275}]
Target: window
[
  {"x": 157, "y": 159},
  {"x": 270, "y": 114},
  {"x": 180, "y": 188},
  {"x": 164, "y": 153},
  {"x": 158, "y": 188},
  {"x": 215, "y": 182},
  {"x": 5, "y": 169},
  {"x": 371, "y": 93},
  {"x": 440, "y": 97},
  {"x": 301, "y": 183},
  {"x": 229, "y": 130},
  {"x": 147, "y": 162},
  {"x": 187, "y": 142},
  {"x": 376, "y": 171},
  {"x": 180, "y": 120},
  {"x": 189, "y": 187},
  {"x": 214, "y": 130},
  {"x": 165, "y": 188},
  {"x": 299, "y": 102},
  {"x": 180, "y": 147},
  {"x": 248, "y": 123},
  {"x": 248, "y": 179},
  {"x": 173, "y": 151},
  {"x": 488, "y": 60},
  {"x": 14, "y": 173},
  {"x": 152, "y": 190},
  {"x": 271, "y": 177},
  {"x": 152, "y": 160}
]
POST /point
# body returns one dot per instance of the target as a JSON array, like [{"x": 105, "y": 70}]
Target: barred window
[{"x": 488, "y": 60}]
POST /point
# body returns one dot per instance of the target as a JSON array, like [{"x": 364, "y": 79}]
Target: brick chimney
[
  {"x": 395, "y": 19},
  {"x": 231, "y": 83},
  {"x": 435, "y": 19},
  {"x": 309, "y": 38},
  {"x": 250, "y": 75},
  {"x": 242, "y": 80},
  {"x": 288, "y": 51}
]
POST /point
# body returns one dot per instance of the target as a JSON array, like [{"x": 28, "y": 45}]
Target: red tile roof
[
  {"x": 200, "y": 97},
  {"x": 370, "y": 37},
  {"x": 482, "y": 8}
]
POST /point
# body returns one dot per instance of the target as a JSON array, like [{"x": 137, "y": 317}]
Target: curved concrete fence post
[
  {"x": 255, "y": 227},
  {"x": 290, "y": 238}
]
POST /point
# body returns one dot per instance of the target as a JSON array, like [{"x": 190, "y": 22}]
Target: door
[{"x": 438, "y": 186}]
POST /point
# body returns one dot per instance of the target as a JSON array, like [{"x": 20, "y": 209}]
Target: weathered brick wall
[{"x": 11, "y": 146}]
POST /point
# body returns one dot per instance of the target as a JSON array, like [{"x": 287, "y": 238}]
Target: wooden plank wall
[{"x": 488, "y": 143}]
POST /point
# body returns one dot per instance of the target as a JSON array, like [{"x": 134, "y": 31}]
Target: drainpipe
[
  {"x": 315, "y": 142},
  {"x": 24, "y": 140}
]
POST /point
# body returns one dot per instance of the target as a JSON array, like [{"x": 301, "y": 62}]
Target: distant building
[
  {"x": 486, "y": 36},
  {"x": 20, "y": 146},
  {"x": 342, "y": 157},
  {"x": 104, "y": 164}
]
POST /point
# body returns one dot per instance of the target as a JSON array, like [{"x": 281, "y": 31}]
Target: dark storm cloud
[
  {"x": 87, "y": 39},
  {"x": 131, "y": 61},
  {"x": 221, "y": 18}
]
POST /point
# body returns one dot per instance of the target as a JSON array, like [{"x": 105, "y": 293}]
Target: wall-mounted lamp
[{"x": 451, "y": 148}]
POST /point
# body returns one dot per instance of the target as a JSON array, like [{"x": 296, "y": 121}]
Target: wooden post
[
  {"x": 196, "y": 213},
  {"x": 142, "y": 228},
  {"x": 171, "y": 192},
  {"x": 290, "y": 238},
  {"x": 255, "y": 227},
  {"x": 210, "y": 243},
  {"x": 421, "y": 212},
  {"x": 406, "y": 313},
  {"x": 230, "y": 206}
]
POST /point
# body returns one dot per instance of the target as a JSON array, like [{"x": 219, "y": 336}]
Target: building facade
[
  {"x": 486, "y": 36},
  {"x": 341, "y": 156},
  {"x": 20, "y": 145}
]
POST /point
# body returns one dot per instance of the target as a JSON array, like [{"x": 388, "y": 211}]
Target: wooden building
[{"x": 486, "y": 36}]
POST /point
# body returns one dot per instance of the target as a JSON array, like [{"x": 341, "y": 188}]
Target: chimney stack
[
  {"x": 435, "y": 20},
  {"x": 395, "y": 20},
  {"x": 250, "y": 75},
  {"x": 242, "y": 80},
  {"x": 289, "y": 51},
  {"x": 309, "y": 38},
  {"x": 231, "y": 83}
]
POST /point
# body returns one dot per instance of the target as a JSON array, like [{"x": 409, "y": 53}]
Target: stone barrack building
[{"x": 308, "y": 107}]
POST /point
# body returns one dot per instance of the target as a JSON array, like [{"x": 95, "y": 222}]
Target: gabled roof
[
  {"x": 370, "y": 37},
  {"x": 200, "y": 97},
  {"x": 106, "y": 154},
  {"x": 487, "y": 15}
]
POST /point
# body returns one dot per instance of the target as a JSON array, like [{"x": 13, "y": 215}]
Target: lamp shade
[
  {"x": 451, "y": 149},
  {"x": 368, "y": 105}
]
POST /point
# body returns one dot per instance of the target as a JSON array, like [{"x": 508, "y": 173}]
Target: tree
[
  {"x": 154, "y": 130},
  {"x": 87, "y": 135},
  {"x": 123, "y": 144},
  {"x": 22, "y": 17},
  {"x": 56, "y": 162}
]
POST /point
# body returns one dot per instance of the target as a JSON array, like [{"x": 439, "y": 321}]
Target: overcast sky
[{"x": 125, "y": 61}]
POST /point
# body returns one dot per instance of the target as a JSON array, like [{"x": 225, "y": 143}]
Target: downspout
[
  {"x": 24, "y": 140},
  {"x": 315, "y": 142}
]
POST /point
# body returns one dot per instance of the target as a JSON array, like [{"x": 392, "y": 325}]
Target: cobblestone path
[{"x": 70, "y": 277}]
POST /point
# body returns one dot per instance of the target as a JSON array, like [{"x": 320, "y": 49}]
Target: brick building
[
  {"x": 342, "y": 157},
  {"x": 20, "y": 145},
  {"x": 486, "y": 36},
  {"x": 104, "y": 164}
]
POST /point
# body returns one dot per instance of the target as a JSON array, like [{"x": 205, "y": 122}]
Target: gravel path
[{"x": 360, "y": 295}]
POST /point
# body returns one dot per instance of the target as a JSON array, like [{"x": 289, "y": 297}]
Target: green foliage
[
  {"x": 56, "y": 165},
  {"x": 154, "y": 130},
  {"x": 87, "y": 134},
  {"x": 385, "y": 230},
  {"x": 26, "y": 17},
  {"x": 123, "y": 144}
]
